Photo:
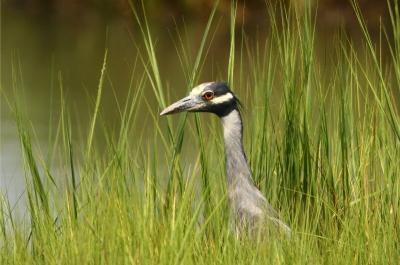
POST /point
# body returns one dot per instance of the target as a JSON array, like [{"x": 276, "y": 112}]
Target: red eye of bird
[{"x": 209, "y": 95}]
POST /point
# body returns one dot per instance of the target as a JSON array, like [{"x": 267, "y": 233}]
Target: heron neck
[{"x": 237, "y": 169}]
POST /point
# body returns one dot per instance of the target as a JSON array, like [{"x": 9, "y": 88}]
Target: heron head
[{"x": 214, "y": 97}]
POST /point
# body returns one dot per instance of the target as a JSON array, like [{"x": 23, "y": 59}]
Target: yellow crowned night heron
[{"x": 249, "y": 208}]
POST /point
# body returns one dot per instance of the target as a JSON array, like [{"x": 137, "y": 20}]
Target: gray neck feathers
[
  {"x": 248, "y": 204},
  {"x": 237, "y": 169}
]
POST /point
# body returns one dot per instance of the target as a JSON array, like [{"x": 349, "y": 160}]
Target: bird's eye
[{"x": 209, "y": 95}]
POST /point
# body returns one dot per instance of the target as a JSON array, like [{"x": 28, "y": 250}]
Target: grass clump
[{"x": 323, "y": 144}]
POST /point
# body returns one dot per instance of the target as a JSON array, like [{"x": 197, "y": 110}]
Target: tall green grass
[{"x": 323, "y": 144}]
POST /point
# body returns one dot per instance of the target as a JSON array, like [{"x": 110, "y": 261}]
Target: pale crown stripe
[{"x": 198, "y": 89}]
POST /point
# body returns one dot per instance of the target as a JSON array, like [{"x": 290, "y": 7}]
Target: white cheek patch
[
  {"x": 224, "y": 98},
  {"x": 198, "y": 89}
]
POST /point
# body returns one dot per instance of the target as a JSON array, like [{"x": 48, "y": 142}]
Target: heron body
[{"x": 249, "y": 208}]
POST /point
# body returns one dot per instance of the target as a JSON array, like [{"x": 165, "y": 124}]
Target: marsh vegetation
[{"x": 322, "y": 134}]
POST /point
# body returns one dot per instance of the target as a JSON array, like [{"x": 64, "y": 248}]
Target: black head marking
[{"x": 220, "y": 89}]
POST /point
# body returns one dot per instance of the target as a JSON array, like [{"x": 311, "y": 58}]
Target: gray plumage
[
  {"x": 250, "y": 210},
  {"x": 248, "y": 205}
]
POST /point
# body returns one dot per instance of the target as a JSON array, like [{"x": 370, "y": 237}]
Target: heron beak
[{"x": 186, "y": 104}]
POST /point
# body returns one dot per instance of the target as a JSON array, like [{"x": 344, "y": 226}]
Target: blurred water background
[{"x": 44, "y": 40}]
